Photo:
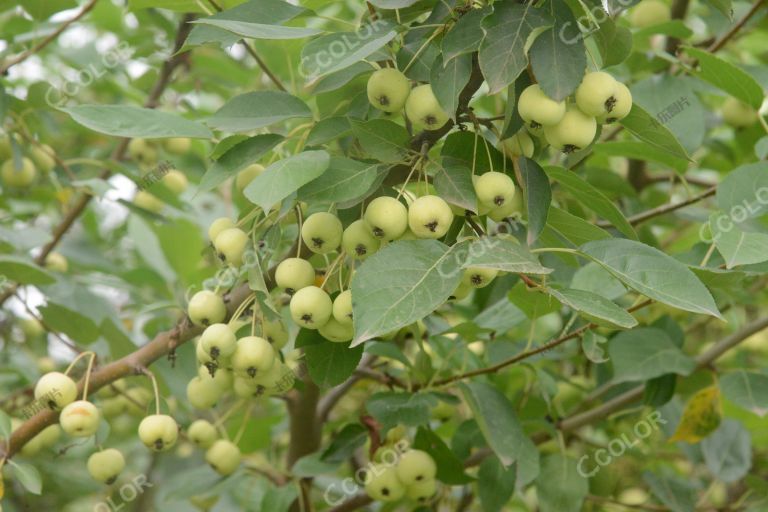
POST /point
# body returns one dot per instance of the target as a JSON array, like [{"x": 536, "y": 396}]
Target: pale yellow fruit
[
  {"x": 144, "y": 199},
  {"x": 738, "y": 114},
  {"x": 596, "y": 95},
  {"x": 42, "y": 155},
  {"x": 177, "y": 145},
  {"x": 520, "y": 144},
  {"x": 21, "y": 177},
  {"x": 247, "y": 175},
  {"x": 219, "y": 225},
  {"x": 576, "y": 131},
  {"x": 388, "y": 90},
  {"x": 537, "y": 109},
  {"x": 621, "y": 107},
  {"x": 176, "y": 181},
  {"x": 56, "y": 261},
  {"x": 423, "y": 109},
  {"x": 649, "y": 13},
  {"x": 429, "y": 217}
]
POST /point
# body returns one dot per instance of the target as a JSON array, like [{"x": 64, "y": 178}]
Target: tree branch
[
  {"x": 718, "y": 44},
  {"x": 661, "y": 210},
  {"x": 45, "y": 42}
]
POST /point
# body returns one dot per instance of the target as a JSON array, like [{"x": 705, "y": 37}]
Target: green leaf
[
  {"x": 558, "y": 55},
  {"x": 453, "y": 182},
  {"x": 259, "y": 30},
  {"x": 746, "y": 389},
  {"x": 393, "y": 4},
  {"x": 594, "y": 308},
  {"x": 328, "y": 129},
  {"x": 640, "y": 151},
  {"x": 503, "y": 51},
  {"x": 331, "y": 363},
  {"x": 724, "y": 6},
  {"x": 505, "y": 254},
  {"x": 675, "y": 492},
  {"x": 590, "y": 345},
  {"x": 652, "y": 273},
  {"x": 660, "y": 390},
  {"x": 450, "y": 470},
  {"x": 402, "y": 283},
  {"x": 409, "y": 409},
  {"x": 5, "y": 425},
  {"x": 28, "y": 476},
  {"x": 743, "y": 195},
  {"x": 645, "y": 353},
  {"x": 736, "y": 246},
  {"x": 285, "y": 177},
  {"x": 531, "y": 302},
  {"x": 383, "y": 139},
  {"x": 334, "y": 52},
  {"x": 344, "y": 444},
  {"x": 574, "y": 228},
  {"x": 646, "y": 128},
  {"x": 614, "y": 42},
  {"x": 254, "y": 110},
  {"x": 538, "y": 196},
  {"x": 727, "y": 77},
  {"x": 560, "y": 486},
  {"x": 127, "y": 121},
  {"x": 449, "y": 79},
  {"x": 498, "y": 422},
  {"x": 466, "y": 34},
  {"x": 591, "y": 198},
  {"x": 236, "y": 159},
  {"x": 345, "y": 180},
  {"x": 43, "y": 9},
  {"x": 23, "y": 271},
  {"x": 70, "y": 322},
  {"x": 495, "y": 484},
  {"x": 728, "y": 451}
]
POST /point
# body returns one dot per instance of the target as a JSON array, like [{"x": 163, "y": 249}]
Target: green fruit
[
  {"x": 520, "y": 144},
  {"x": 622, "y": 106},
  {"x": 218, "y": 226},
  {"x": 358, "y": 241},
  {"x": 277, "y": 379},
  {"x": 337, "y": 332},
  {"x": 576, "y": 131},
  {"x": 112, "y": 389},
  {"x": 423, "y": 109},
  {"x": 144, "y": 199},
  {"x": 245, "y": 387},
  {"x": 275, "y": 333},
  {"x": 31, "y": 327},
  {"x": 388, "y": 89},
  {"x": 478, "y": 277},
  {"x": 537, "y": 109},
  {"x": 56, "y": 261},
  {"x": 322, "y": 232},
  {"x": 218, "y": 341},
  {"x": 206, "y": 308},
  {"x": 6, "y": 150},
  {"x": 42, "y": 155},
  {"x": 416, "y": 466},
  {"x": 142, "y": 152},
  {"x": 395, "y": 434},
  {"x": 176, "y": 181},
  {"x": 247, "y": 175},
  {"x": 382, "y": 483},
  {"x": 252, "y": 356},
  {"x": 202, "y": 433},
  {"x": 507, "y": 210},
  {"x": 429, "y": 217},
  {"x": 422, "y": 491},
  {"x": 494, "y": 189},
  {"x": 649, "y": 13},
  {"x": 158, "y": 432},
  {"x": 49, "y": 436},
  {"x": 203, "y": 394},
  {"x": 311, "y": 307},
  {"x": 230, "y": 245},
  {"x": 221, "y": 377},
  {"x": 387, "y": 218},
  {"x": 443, "y": 411},
  {"x": 112, "y": 407},
  {"x": 293, "y": 274},
  {"x": 342, "y": 308},
  {"x": 462, "y": 291},
  {"x": 223, "y": 456},
  {"x": 55, "y": 390},
  {"x": 177, "y": 145},
  {"x": 137, "y": 400},
  {"x": 106, "y": 465},
  {"x": 79, "y": 419},
  {"x": 738, "y": 114},
  {"x": 596, "y": 95},
  {"x": 21, "y": 177}
]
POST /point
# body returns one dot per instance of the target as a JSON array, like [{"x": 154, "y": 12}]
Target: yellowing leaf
[{"x": 701, "y": 416}]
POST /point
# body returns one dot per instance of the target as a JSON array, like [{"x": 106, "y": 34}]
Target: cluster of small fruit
[
  {"x": 145, "y": 153},
  {"x": 389, "y": 91},
  {"x": 412, "y": 475},
  {"x": 21, "y": 172},
  {"x": 569, "y": 126}
]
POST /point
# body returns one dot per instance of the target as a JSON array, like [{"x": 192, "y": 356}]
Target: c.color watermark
[
  {"x": 617, "y": 446},
  {"x": 128, "y": 492},
  {"x": 726, "y": 221},
  {"x": 597, "y": 14},
  {"x": 351, "y": 485},
  {"x": 475, "y": 249},
  {"x": 69, "y": 88}
]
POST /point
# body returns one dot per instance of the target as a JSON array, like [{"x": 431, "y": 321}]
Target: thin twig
[
  {"x": 661, "y": 210},
  {"x": 735, "y": 28}
]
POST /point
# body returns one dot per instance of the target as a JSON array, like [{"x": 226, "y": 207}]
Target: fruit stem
[
  {"x": 151, "y": 375},
  {"x": 75, "y": 360},
  {"x": 242, "y": 307},
  {"x": 241, "y": 430},
  {"x": 219, "y": 423},
  {"x": 300, "y": 221},
  {"x": 88, "y": 375},
  {"x": 331, "y": 269}
]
